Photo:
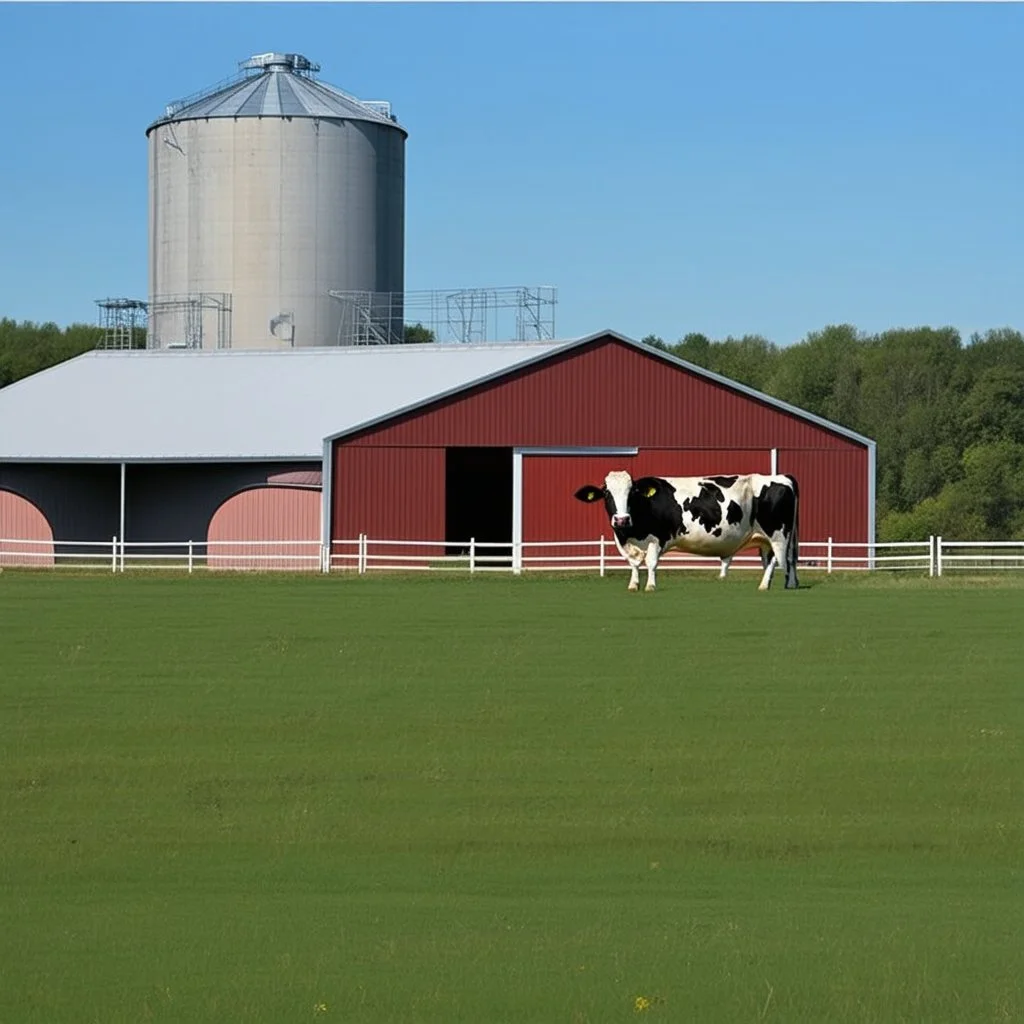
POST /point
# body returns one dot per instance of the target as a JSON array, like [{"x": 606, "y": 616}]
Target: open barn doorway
[{"x": 478, "y": 502}]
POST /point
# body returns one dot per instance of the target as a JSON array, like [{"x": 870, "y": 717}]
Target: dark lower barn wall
[
  {"x": 80, "y": 502},
  {"x": 163, "y": 501},
  {"x": 175, "y": 502}
]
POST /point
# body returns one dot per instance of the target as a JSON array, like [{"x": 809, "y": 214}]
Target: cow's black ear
[
  {"x": 646, "y": 486},
  {"x": 590, "y": 493}
]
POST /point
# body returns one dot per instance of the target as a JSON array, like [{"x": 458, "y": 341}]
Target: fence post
[
  {"x": 931, "y": 554},
  {"x": 361, "y": 555},
  {"x": 829, "y": 557},
  {"x": 113, "y": 555},
  {"x": 190, "y": 557},
  {"x": 472, "y": 554},
  {"x": 938, "y": 555},
  {"x": 600, "y": 547},
  {"x": 122, "y": 554}
]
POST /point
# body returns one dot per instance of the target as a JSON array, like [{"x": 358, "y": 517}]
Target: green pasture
[{"x": 372, "y": 799}]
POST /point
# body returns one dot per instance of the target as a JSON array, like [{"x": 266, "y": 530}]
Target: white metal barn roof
[
  {"x": 243, "y": 405},
  {"x": 151, "y": 406}
]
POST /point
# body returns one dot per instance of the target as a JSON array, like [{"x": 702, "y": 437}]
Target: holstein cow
[{"x": 705, "y": 515}]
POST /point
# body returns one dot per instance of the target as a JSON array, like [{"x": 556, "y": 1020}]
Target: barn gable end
[{"x": 600, "y": 394}]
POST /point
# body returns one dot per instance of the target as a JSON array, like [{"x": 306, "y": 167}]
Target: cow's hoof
[
  {"x": 632, "y": 587},
  {"x": 649, "y": 589}
]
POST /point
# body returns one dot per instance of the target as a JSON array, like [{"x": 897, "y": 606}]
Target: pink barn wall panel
[
  {"x": 266, "y": 514},
  {"x": 607, "y": 394},
  {"x": 20, "y": 520}
]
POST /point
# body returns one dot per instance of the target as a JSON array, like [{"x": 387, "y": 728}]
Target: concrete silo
[{"x": 265, "y": 195}]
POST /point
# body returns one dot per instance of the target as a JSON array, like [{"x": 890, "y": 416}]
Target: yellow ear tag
[{"x": 650, "y": 492}]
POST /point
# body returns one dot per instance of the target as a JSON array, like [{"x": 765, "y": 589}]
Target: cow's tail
[{"x": 794, "y": 550}]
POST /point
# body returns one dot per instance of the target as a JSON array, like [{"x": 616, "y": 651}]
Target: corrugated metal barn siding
[
  {"x": 833, "y": 493},
  {"x": 388, "y": 493},
  {"x": 266, "y": 514},
  {"x": 20, "y": 520},
  {"x": 604, "y": 395}
]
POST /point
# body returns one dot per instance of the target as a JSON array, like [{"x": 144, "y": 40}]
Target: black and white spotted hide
[{"x": 714, "y": 516}]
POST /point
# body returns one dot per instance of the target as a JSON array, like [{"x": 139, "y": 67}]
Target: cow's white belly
[{"x": 698, "y": 541}]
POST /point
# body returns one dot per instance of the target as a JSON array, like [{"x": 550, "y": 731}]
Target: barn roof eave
[{"x": 589, "y": 339}]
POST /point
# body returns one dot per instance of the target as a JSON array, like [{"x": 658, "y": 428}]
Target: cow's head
[{"x": 622, "y": 496}]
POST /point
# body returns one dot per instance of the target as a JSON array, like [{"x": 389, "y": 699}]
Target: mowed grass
[{"x": 432, "y": 799}]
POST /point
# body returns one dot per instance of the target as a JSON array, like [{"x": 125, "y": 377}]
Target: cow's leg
[
  {"x": 634, "y": 574},
  {"x": 784, "y": 555},
  {"x": 769, "y": 562},
  {"x": 725, "y": 567},
  {"x": 792, "y": 583},
  {"x": 781, "y": 555},
  {"x": 634, "y": 564},
  {"x": 653, "y": 554}
]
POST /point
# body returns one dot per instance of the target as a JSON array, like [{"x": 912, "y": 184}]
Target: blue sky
[{"x": 725, "y": 168}]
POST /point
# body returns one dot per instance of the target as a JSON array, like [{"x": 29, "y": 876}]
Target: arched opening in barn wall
[
  {"x": 25, "y": 534},
  {"x": 265, "y": 528}
]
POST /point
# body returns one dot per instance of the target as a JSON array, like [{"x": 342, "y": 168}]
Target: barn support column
[
  {"x": 517, "y": 511},
  {"x": 120, "y": 529},
  {"x": 871, "y": 503},
  {"x": 326, "y": 499},
  {"x": 775, "y": 462}
]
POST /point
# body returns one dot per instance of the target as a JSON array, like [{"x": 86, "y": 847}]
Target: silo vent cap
[{"x": 275, "y": 61}]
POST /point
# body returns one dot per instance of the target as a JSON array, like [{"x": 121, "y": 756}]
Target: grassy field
[{"x": 484, "y": 800}]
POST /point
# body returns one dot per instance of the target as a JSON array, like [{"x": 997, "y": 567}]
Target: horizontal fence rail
[{"x": 935, "y": 556}]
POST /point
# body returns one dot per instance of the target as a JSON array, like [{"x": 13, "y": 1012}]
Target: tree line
[
  {"x": 29, "y": 347},
  {"x": 948, "y": 415}
]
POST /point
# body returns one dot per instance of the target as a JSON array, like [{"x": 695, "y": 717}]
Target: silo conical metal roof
[{"x": 277, "y": 85}]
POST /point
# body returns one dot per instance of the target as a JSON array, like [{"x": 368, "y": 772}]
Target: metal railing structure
[
  {"x": 935, "y": 556},
  {"x": 461, "y": 315}
]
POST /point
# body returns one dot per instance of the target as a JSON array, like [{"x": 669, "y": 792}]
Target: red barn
[{"x": 500, "y": 458}]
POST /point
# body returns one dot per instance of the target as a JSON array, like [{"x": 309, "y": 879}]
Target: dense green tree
[
  {"x": 994, "y": 407},
  {"x": 417, "y": 334},
  {"x": 653, "y": 341},
  {"x": 28, "y": 347},
  {"x": 694, "y": 348}
]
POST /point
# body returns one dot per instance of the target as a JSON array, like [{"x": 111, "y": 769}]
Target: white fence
[{"x": 935, "y": 556}]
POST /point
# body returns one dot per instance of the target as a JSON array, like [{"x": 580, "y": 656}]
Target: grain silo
[{"x": 266, "y": 194}]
